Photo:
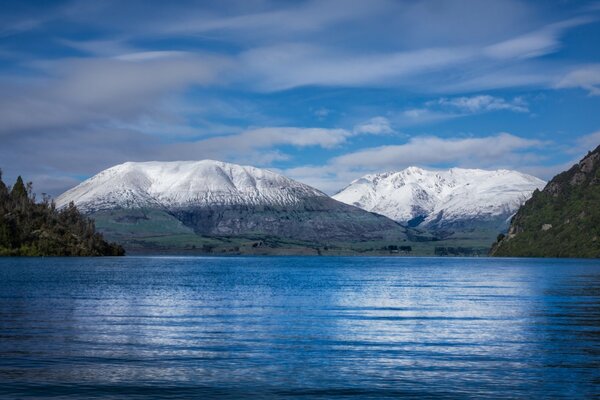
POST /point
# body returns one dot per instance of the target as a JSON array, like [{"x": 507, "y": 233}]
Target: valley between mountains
[{"x": 215, "y": 207}]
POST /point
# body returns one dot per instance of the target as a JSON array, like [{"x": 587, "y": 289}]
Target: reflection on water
[{"x": 299, "y": 327}]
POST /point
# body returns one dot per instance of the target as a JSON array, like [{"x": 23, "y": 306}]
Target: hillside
[
  {"x": 29, "y": 228},
  {"x": 563, "y": 220}
]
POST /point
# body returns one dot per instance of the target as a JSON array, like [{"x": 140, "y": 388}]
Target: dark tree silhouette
[{"x": 29, "y": 228}]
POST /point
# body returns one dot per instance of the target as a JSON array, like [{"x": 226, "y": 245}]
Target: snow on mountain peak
[
  {"x": 184, "y": 183},
  {"x": 452, "y": 194}
]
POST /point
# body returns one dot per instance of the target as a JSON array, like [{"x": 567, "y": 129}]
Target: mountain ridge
[{"x": 441, "y": 198}]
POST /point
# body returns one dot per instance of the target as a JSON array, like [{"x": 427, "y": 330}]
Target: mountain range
[
  {"x": 158, "y": 204},
  {"x": 162, "y": 205},
  {"x": 443, "y": 201}
]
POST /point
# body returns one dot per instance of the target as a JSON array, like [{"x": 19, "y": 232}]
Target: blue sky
[{"x": 322, "y": 91}]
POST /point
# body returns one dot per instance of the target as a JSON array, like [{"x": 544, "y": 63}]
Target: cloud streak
[
  {"x": 91, "y": 90},
  {"x": 432, "y": 150},
  {"x": 424, "y": 151},
  {"x": 585, "y": 77},
  {"x": 482, "y": 103}
]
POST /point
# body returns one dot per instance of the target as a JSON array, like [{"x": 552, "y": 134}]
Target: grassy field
[
  {"x": 158, "y": 232},
  {"x": 265, "y": 245}
]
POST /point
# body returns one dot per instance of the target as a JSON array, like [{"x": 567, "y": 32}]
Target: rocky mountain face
[
  {"x": 443, "y": 200},
  {"x": 212, "y": 198},
  {"x": 563, "y": 220}
]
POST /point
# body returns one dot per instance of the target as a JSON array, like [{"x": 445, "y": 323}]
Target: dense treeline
[
  {"x": 30, "y": 228},
  {"x": 458, "y": 251}
]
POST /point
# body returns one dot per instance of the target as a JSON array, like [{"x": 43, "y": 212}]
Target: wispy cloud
[
  {"x": 585, "y": 77},
  {"x": 286, "y": 66},
  {"x": 446, "y": 108},
  {"x": 481, "y": 103},
  {"x": 425, "y": 151},
  {"x": 95, "y": 90},
  {"x": 375, "y": 126},
  {"x": 534, "y": 44},
  {"x": 587, "y": 142},
  {"x": 432, "y": 150}
]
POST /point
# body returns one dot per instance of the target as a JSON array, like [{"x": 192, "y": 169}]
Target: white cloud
[
  {"x": 534, "y": 44},
  {"x": 482, "y": 103},
  {"x": 374, "y": 126},
  {"x": 501, "y": 150},
  {"x": 322, "y": 112},
  {"x": 247, "y": 144},
  {"x": 257, "y": 146},
  {"x": 547, "y": 172},
  {"x": 99, "y": 48},
  {"x": 585, "y": 77},
  {"x": 528, "y": 74},
  {"x": 271, "y": 19},
  {"x": 419, "y": 116},
  {"x": 587, "y": 142},
  {"x": 325, "y": 178},
  {"x": 446, "y": 108},
  {"x": 86, "y": 91},
  {"x": 430, "y": 150},
  {"x": 526, "y": 46},
  {"x": 285, "y": 66},
  {"x": 300, "y": 137},
  {"x": 150, "y": 55}
]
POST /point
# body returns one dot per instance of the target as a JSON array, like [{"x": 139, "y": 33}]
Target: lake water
[{"x": 172, "y": 327}]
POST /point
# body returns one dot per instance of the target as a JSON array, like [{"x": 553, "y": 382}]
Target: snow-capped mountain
[
  {"x": 441, "y": 198},
  {"x": 184, "y": 183},
  {"x": 138, "y": 200}
]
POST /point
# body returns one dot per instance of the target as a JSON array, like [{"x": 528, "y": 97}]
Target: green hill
[
  {"x": 30, "y": 228},
  {"x": 563, "y": 220}
]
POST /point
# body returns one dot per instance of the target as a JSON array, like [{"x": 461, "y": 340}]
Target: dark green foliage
[
  {"x": 457, "y": 251},
  {"x": 19, "y": 191},
  {"x": 29, "y": 228},
  {"x": 563, "y": 220}
]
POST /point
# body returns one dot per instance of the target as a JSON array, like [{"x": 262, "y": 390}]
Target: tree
[
  {"x": 3, "y": 188},
  {"x": 18, "y": 190}
]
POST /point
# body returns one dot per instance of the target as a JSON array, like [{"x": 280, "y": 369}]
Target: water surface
[{"x": 303, "y": 327}]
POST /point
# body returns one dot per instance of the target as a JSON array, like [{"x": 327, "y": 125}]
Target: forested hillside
[
  {"x": 563, "y": 220},
  {"x": 30, "y": 228}
]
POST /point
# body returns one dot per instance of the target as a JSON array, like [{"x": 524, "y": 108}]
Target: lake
[{"x": 294, "y": 327}]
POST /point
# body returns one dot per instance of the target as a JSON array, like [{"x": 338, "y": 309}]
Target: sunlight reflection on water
[{"x": 295, "y": 327}]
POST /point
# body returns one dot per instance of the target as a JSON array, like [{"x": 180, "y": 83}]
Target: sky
[{"x": 322, "y": 91}]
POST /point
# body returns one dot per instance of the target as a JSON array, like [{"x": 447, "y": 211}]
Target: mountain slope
[
  {"x": 210, "y": 198},
  {"x": 563, "y": 220},
  {"x": 442, "y": 200}
]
